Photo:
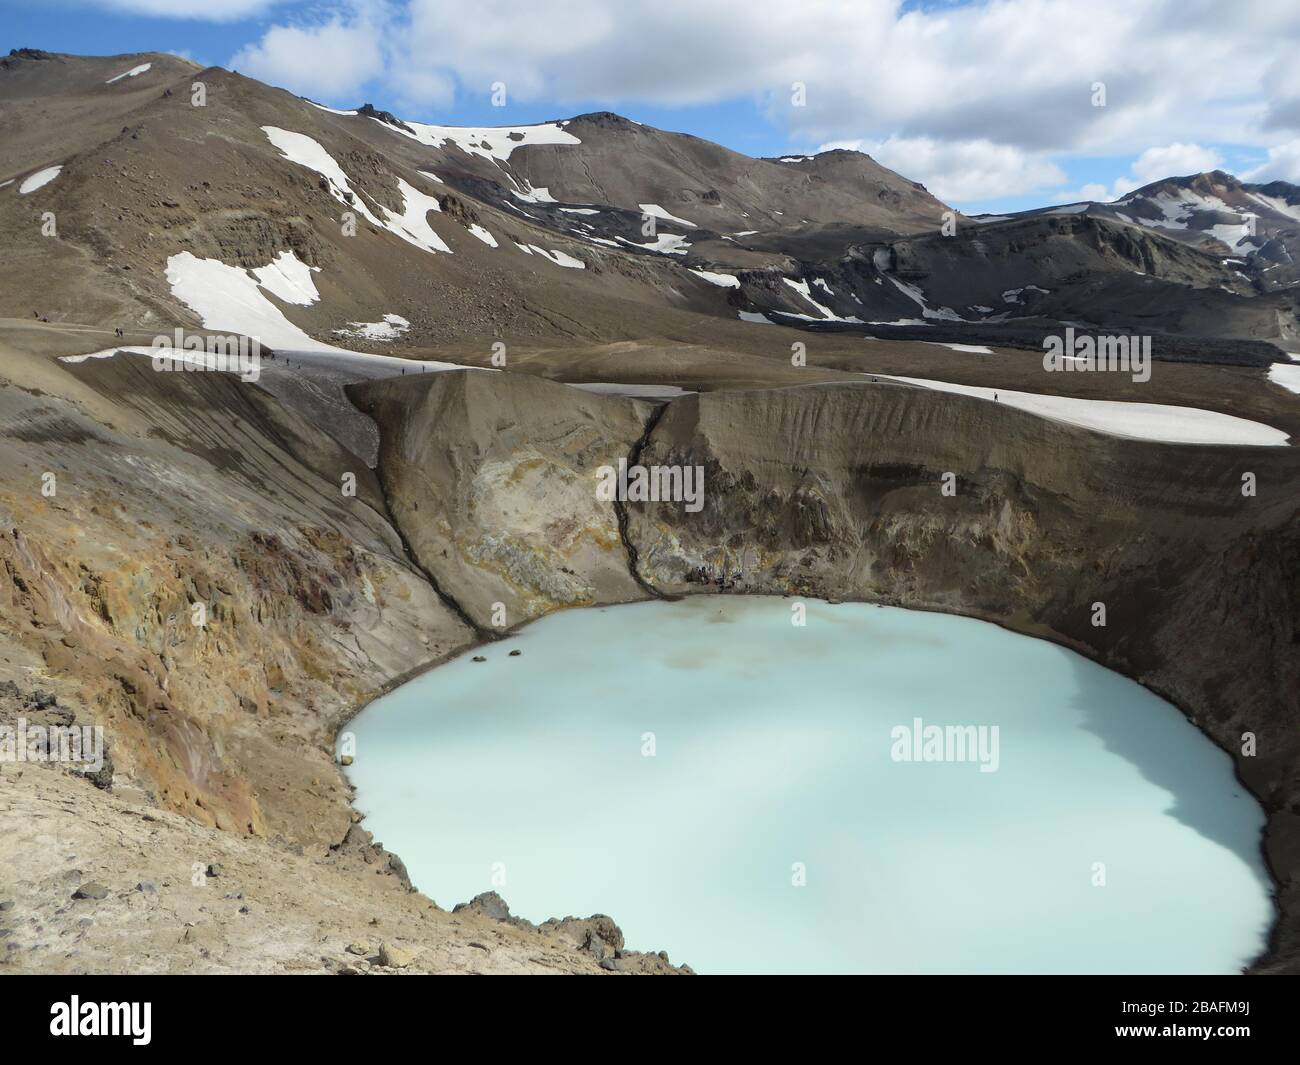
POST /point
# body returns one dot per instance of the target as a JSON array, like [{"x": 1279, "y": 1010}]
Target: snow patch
[
  {"x": 390, "y": 327},
  {"x": 1139, "y": 421},
  {"x": 227, "y": 297},
  {"x": 1286, "y": 374},
  {"x": 331, "y": 110},
  {"x": 559, "y": 258},
  {"x": 303, "y": 150},
  {"x": 134, "y": 72},
  {"x": 483, "y": 235},
  {"x": 39, "y": 179},
  {"x": 489, "y": 142},
  {"x": 914, "y": 293},
  {"x": 412, "y": 225},
  {"x": 1273, "y": 203},
  {"x": 827, "y": 315},
  {"x": 655, "y": 211},
  {"x": 541, "y": 194},
  {"x": 289, "y": 279},
  {"x": 721, "y": 280}
]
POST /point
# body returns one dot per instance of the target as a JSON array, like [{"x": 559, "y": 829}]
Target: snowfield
[
  {"x": 1286, "y": 374},
  {"x": 289, "y": 279},
  {"x": 228, "y": 297},
  {"x": 39, "y": 179},
  {"x": 655, "y": 211},
  {"x": 1138, "y": 421},
  {"x": 411, "y": 225},
  {"x": 303, "y": 150},
  {"x": 490, "y": 142}
]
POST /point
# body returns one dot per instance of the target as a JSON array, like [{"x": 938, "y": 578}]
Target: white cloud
[
  {"x": 328, "y": 60},
  {"x": 1283, "y": 165},
  {"x": 1154, "y": 164},
  {"x": 204, "y": 10},
  {"x": 998, "y": 87},
  {"x": 961, "y": 171},
  {"x": 1117, "y": 189},
  {"x": 1174, "y": 160}
]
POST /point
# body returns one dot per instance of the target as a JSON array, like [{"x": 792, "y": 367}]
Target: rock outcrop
[{"x": 492, "y": 480}]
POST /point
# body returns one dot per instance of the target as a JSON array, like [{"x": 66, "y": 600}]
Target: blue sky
[{"x": 992, "y": 104}]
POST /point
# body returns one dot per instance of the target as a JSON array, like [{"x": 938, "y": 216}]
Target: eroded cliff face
[
  {"x": 838, "y": 491},
  {"x": 491, "y": 478},
  {"x": 214, "y": 581},
  {"x": 205, "y": 587}
]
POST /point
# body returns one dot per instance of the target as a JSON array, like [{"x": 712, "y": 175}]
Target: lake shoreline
[{"x": 1017, "y": 627}]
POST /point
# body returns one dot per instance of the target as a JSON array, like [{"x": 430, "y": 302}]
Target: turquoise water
[{"x": 730, "y": 788}]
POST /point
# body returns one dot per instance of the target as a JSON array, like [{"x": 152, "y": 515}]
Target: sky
[{"x": 994, "y": 105}]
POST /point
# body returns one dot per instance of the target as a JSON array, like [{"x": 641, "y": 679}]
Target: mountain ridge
[{"x": 601, "y": 219}]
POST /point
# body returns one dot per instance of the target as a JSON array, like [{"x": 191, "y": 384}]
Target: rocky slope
[
  {"x": 594, "y": 228},
  {"x": 489, "y": 477},
  {"x": 183, "y": 562},
  {"x": 1252, "y": 227}
]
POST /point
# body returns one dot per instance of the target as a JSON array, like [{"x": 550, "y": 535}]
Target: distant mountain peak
[{"x": 607, "y": 119}]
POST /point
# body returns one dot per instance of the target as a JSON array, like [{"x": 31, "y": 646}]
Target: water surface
[{"x": 725, "y": 784}]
